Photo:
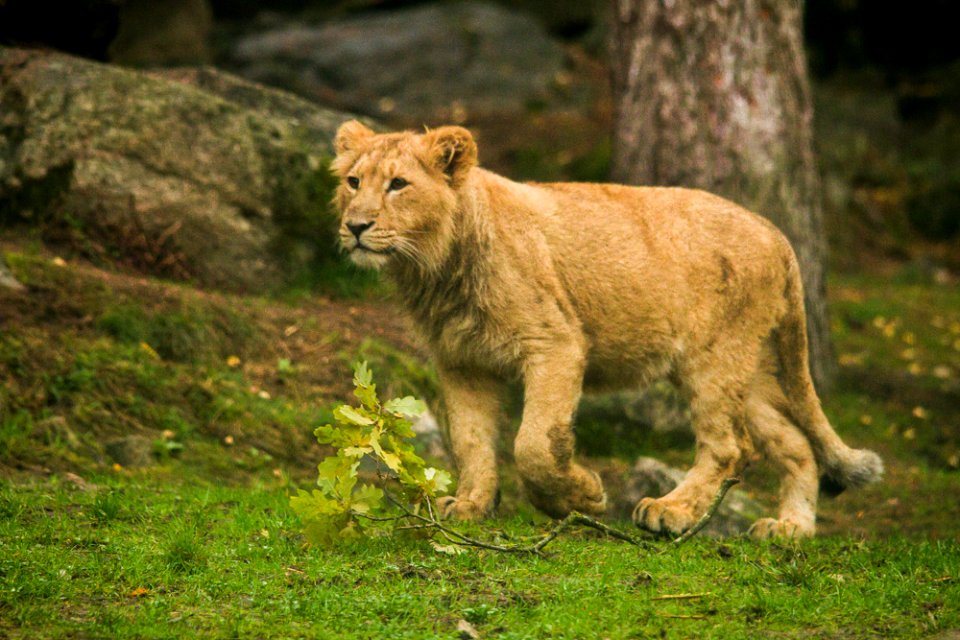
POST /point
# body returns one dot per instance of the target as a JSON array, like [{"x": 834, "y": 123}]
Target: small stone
[
  {"x": 467, "y": 631},
  {"x": 131, "y": 451},
  {"x": 650, "y": 477},
  {"x": 79, "y": 482},
  {"x": 7, "y": 281}
]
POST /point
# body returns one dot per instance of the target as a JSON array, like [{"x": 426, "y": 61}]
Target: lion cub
[{"x": 597, "y": 286}]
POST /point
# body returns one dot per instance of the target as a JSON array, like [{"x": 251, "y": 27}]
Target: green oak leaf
[
  {"x": 438, "y": 480},
  {"x": 409, "y": 458},
  {"x": 368, "y": 397},
  {"x": 332, "y": 469},
  {"x": 362, "y": 376},
  {"x": 329, "y": 434},
  {"x": 392, "y": 460},
  {"x": 407, "y": 406},
  {"x": 313, "y": 504},
  {"x": 348, "y": 414},
  {"x": 366, "y": 499}
]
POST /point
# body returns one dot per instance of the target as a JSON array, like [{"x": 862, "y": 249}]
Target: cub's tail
[{"x": 841, "y": 467}]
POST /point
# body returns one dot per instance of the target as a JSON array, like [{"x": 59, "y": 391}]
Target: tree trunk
[{"x": 714, "y": 95}]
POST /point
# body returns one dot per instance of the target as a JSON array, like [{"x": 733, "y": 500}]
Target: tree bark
[{"x": 714, "y": 95}]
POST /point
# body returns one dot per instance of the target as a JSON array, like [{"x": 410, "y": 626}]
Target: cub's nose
[{"x": 357, "y": 228}]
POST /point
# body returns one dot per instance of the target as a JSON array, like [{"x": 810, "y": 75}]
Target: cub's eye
[
  {"x": 354, "y": 182},
  {"x": 396, "y": 184}
]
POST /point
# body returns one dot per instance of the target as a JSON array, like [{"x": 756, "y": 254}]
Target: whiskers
[{"x": 405, "y": 247}]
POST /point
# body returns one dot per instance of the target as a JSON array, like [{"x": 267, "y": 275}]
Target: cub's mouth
[
  {"x": 365, "y": 249},
  {"x": 368, "y": 257}
]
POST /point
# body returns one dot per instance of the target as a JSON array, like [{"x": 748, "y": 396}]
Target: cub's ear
[
  {"x": 350, "y": 135},
  {"x": 453, "y": 151}
]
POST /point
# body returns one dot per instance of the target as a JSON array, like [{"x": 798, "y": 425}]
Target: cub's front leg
[
  {"x": 472, "y": 402},
  {"x": 543, "y": 448}
]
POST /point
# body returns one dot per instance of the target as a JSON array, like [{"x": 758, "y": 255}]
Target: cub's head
[{"x": 398, "y": 192}]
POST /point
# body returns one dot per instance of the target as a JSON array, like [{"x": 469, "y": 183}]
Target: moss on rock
[{"x": 191, "y": 174}]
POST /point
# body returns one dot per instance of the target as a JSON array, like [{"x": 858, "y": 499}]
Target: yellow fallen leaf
[
  {"x": 233, "y": 362},
  {"x": 942, "y": 371},
  {"x": 149, "y": 351},
  {"x": 117, "y": 466},
  {"x": 850, "y": 359},
  {"x": 139, "y": 591},
  {"x": 915, "y": 369},
  {"x": 910, "y": 434},
  {"x": 919, "y": 412}
]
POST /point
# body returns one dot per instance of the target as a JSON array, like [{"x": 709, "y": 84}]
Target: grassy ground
[
  {"x": 140, "y": 558},
  {"x": 226, "y": 390}
]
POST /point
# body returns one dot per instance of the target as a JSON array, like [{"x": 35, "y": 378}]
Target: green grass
[
  {"x": 227, "y": 390},
  {"x": 139, "y": 558}
]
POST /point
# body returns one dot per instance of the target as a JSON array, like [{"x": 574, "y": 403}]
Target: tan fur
[{"x": 566, "y": 286}]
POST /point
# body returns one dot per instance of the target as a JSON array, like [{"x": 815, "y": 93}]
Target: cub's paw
[
  {"x": 663, "y": 516},
  {"x": 588, "y": 495},
  {"x": 461, "y": 509},
  {"x": 581, "y": 491},
  {"x": 767, "y": 528}
]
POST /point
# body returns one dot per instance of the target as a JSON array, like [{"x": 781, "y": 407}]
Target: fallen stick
[
  {"x": 683, "y": 596},
  {"x": 714, "y": 506}
]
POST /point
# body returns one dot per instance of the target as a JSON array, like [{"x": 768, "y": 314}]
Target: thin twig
[
  {"x": 683, "y": 596},
  {"x": 414, "y": 527},
  {"x": 574, "y": 518},
  {"x": 702, "y": 522},
  {"x": 381, "y": 519},
  {"x": 450, "y": 534},
  {"x": 587, "y": 521},
  {"x": 455, "y": 537}
]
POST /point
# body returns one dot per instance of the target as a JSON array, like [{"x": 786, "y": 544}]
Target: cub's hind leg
[
  {"x": 717, "y": 383},
  {"x": 782, "y": 442},
  {"x": 785, "y": 446}
]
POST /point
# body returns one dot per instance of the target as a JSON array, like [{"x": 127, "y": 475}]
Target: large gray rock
[
  {"x": 650, "y": 477},
  {"x": 430, "y": 62},
  {"x": 190, "y": 174}
]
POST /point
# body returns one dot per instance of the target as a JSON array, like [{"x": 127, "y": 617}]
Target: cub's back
[{"x": 681, "y": 263}]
